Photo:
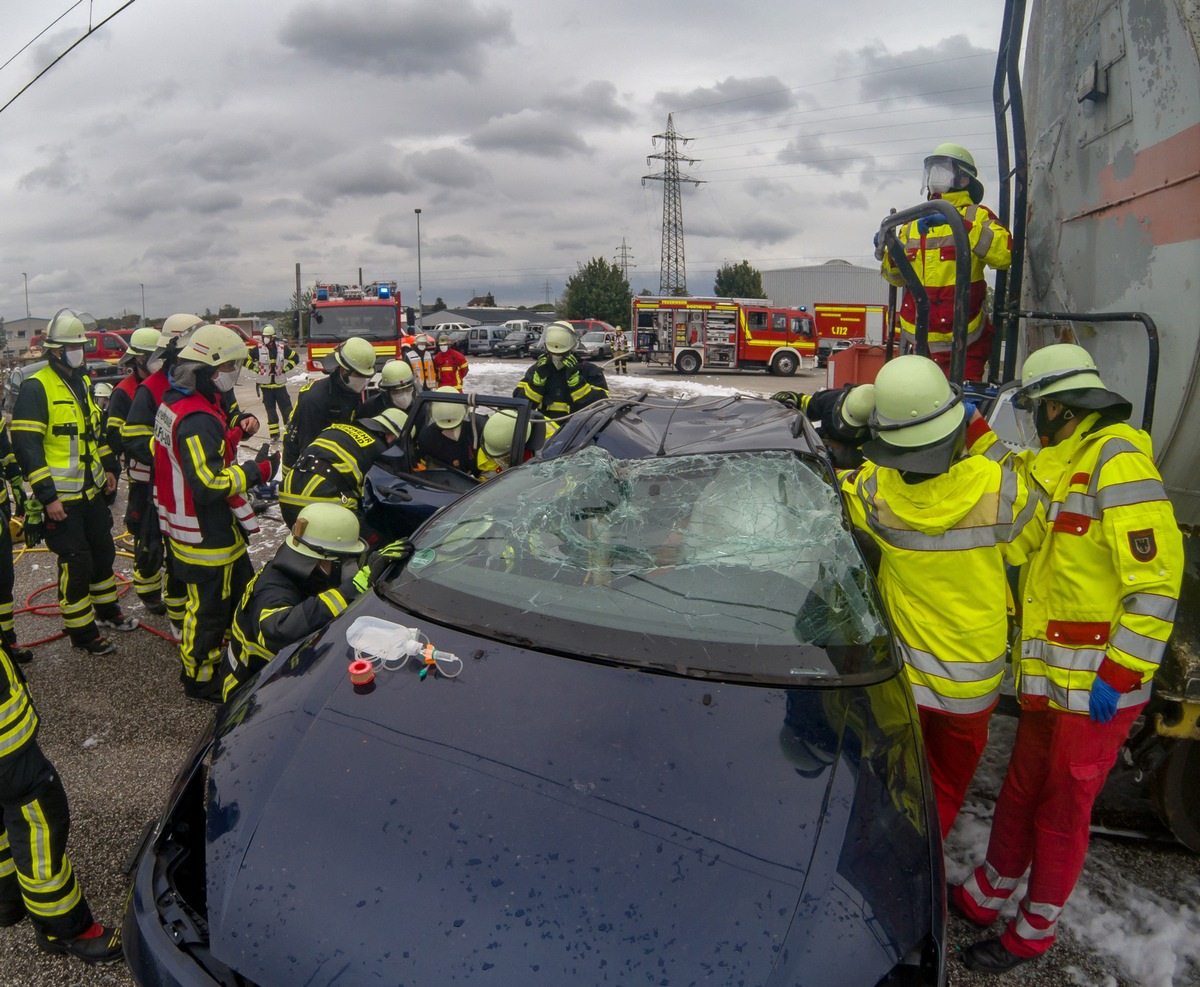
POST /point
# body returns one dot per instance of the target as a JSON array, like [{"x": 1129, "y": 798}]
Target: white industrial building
[{"x": 834, "y": 282}]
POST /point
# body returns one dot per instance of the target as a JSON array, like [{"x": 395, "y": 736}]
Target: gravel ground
[{"x": 118, "y": 727}]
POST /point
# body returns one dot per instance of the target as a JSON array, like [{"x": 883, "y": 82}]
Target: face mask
[
  {"x": 225, "y": 381},
  {"x": 557, "y": 359},
  {"x": 357, "y": 384},
  {"x": 401, "y": 399},
  {"x": 939, "y": 177},
  {"x": 154, "y": 365},
  {"x": 420, "y": 347},
  {"x": 73, "y": 358},
  {"x": 444, "y": 347},
  {"x": 453, "y": 433}
]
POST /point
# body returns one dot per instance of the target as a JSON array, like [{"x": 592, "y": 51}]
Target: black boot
[
  {"x": 98, "y": 949},
  {"x": 990, "y": 956}
]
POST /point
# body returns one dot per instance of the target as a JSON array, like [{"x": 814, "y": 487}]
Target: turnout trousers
[
  {"x": 139, "y": 510},
  {"x": 35, "y": 874},
  {"x": 1058, "y": 766},
  {"x": 954, "y": 743},
  {"x": 8, "y": 629},
  {"x": 278, "y": 403},
  {"x": 211, "y": 593},
  {"x": 86, "y": 552}
]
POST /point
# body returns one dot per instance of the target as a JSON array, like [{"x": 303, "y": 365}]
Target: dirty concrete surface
[{"x": 118, "y": 728}]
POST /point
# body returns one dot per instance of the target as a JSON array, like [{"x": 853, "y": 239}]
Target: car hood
[{"x": 540, "y": 819}]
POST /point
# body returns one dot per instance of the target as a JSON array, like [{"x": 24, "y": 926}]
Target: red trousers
[
  {"x": 954, "y": 742},
  {"x": 1058, "y": 766}
]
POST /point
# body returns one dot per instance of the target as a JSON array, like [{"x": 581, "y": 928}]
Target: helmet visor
[{"x": 939, "y": 175}]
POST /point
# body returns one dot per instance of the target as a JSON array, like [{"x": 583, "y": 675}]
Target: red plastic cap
[{"x": 361, "y": 672}]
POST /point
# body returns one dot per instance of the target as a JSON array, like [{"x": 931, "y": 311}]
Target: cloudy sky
[{"x": 203, "y": 148}]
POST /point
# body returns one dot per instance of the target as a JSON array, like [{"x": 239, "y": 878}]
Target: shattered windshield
[{"x": 715, "y": 564}]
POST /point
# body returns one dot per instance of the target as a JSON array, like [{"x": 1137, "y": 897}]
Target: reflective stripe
[
  {"x": 998, "y": 891},
  {"x": 1150, "y": 605},
  {"x": 1130, "y": 492},
  {"x": 1146, "y": 648},
  {"x": 1074, "y": 503},
  {"x": 333, "y": 600},
  {"x": 1024, "y": 929},
  {"x": 955, "y": 671},
  {"x": 1037, "y": 683},
  {"x": 932, "y": 699}
]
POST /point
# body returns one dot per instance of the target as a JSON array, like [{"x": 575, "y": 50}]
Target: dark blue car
[{"x": 634, "y": 716}]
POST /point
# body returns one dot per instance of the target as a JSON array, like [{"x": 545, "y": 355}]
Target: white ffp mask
[
  {"x": 402, "y": 399},
  {"x": 357, "y": 384},
  {"x": 73, "y": 358},
  {"x": 226, "y": 381},
  {"x": 557, "y": 359},
  {"x": 444, "y": 347}
]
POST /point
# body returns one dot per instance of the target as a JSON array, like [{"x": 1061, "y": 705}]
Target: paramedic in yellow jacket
[
  {"x": 1098, "y": 605},
  {"x": 945, "y": 525},
  {"x": 950, "y": 174}
]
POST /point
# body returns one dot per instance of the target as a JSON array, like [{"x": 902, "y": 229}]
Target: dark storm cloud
[
  {"x": 374, "y": 172},
  {"x": 830, "y": 160},
  {"x": 595, "y": 102},
  {"x": 951, "y": 72},
  {"x": 448, "y": 167},
  {"x": 393, "y": 39},
  {"x": 736, "y": 97},
  {"x": 56, "y": 175},
  {"x": 530, "y": 133},
  {"x": 759, "y": 230}
]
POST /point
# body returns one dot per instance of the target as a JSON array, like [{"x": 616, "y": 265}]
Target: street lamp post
[
  {"x": 26, "y": 277},
  {"x": 420, "y": 306},
  {"x": 143, "y": 287}
]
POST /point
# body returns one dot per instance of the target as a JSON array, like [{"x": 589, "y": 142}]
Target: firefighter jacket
[
  {"x": 932, "y": 257},
  {"x": 118, "y": 411},
  {"x": 56, "y": 436},
  {"x": 286, "y": 601},
  {"x": 331, "y": 468},
  {"x": 1099, "y": 597},
  {"x": 559, "y": 391},
  {"x": 137, "y": 430},
  {"x": 423, "y": 368},
  {"x": 197, "y": 487},
  {"x": 439, "y": 449},
  {"x": 944, "y": 542},
  {"x": 12, "y": 473},
  {"x": 18, "y": 718},
  {"x": 271, "y": 362},
  {"x": 451, "y": 368},
  {"x": 319, "y": 404}
]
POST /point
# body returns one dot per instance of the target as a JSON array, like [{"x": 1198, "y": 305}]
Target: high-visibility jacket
[
  {"x": 1100, "y": 594},
  {"x": 18, "y": 718},
  {"x": 331, "y": 468},
  {"x": 197, "y": 487},
  {"x": 280, "y": 607},
  {"x": 319, "y": 404},
  {"x": 57, "y": 437},
  {"x": 944, "y": 544},
  {"x": 932, "y": 257},
  {"x": 12, "y": 473},
  {"x": 423, "y": 368},
  {"x": 271, "y": 362},
  {"x": 451, "y": 368},
  {"x": 559, "y": 391}
]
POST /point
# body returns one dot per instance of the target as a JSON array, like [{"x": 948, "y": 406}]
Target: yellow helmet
[
  {"x": 213, "y": 345},
  {"x": 395, "y": 373},
  {"x": 268, "y": 331},
  {"x": 390, "y": 421},
  {"x": 560, "y": 338},
  {"x": 1068, "y": 371},
  {"x": 499, "y": 430},
  {"x": 918, "y": 422},
  {"x": 446, "y": 414},
  {"x": 68, "y": 328},
  {"x": 356, "y": 355},
  {"x": 326, "y": 531}
]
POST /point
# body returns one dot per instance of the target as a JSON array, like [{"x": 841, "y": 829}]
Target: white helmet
[
  {"x": 445, "y": 414},
  {"x": 213, "y": 345},
  {"x": 176, "y": 325},
  {"x": 68, "y": 328}
]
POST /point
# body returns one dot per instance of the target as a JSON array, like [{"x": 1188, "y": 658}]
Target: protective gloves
[
  {"x": 18, "y": 499},
  {"x": 380, "y": 561},
  {"x": 35, "y": 527},
  {"x": 926, "y": 223},
  {"x": 270, "y": 458},
  {"x": 1102, "y": 702},
  {"x": 970, "y": 409}
]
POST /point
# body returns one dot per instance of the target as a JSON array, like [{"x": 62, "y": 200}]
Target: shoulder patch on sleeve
[{"x": 1143, "y": 545}]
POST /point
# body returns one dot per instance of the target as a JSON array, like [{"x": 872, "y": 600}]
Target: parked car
[
  {"x": 596, "y": 345},
  {"x": 482, "y": 340},
  {"x": 635, "y": 715},
  {"x": 516, "y": 343},
  {"x": 458, "y": 338},
  {"x": 102, "y": 352}
]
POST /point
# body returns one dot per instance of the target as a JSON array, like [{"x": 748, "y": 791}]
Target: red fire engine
[
  {"x": 843, "y": 325},
  {"x": 370, "y": 311},
  {"x": 696, "y": 333}
]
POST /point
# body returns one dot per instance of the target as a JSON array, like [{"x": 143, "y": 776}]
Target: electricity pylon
[{"x": 672, "y": 278}]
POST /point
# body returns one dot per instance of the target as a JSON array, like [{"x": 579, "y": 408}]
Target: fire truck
[
  {"x": 843, "y": 325},
  {"x": 369, "y": 311},
  {"x": 696, "y": 333}
]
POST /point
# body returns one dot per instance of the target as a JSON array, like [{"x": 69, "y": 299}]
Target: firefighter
[
  {"x": 420, "y": 358},
  {"x": 450, "y": 437},
  {"x": 336, "y": 397},
  {"x": 495, "y": 447},
  {"x": 1098, "y": 604},
  {"x": 945, "y": 525},
  {"x": 449, "y": 364},
  {"x": 621, "y": 352},
  {"x": 271, "y": 361},
  {"x": 331, "y": 468},
  {"x": 36, "y": 877},
  {"x": 199, "y": 491},
  {"x": 9, "y": 508},
  {"x": 557, "y": 384},
  {"x": 950, "y": 174},
  {"x": 395, "y": 389},
  {"x": 57, "y": 439},
  {"x": 312, "y": 579},
  {"x": 139, "y": 507},
  {"x": 841, "y": 417}
]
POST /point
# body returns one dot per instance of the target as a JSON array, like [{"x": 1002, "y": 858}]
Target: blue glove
[
  {"x": 1102, "y": 703},
  {"x": 970, "y": 409},
  {"x": 875, "y": 240},
  {"x": 926, "y": 223}
]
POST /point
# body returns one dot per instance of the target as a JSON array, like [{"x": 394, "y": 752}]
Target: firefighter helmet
[
  {"x": 424, "y": 340},
  {"x": 444, "y": 339},
  {"x": 961, "y": 165},
  {"x": 268, "y": 331},
  {"x": 1068, "y": 373},
  {"x": 390, "y": 421},
  {"x": 326, "y": 531},
  {"x": 499, "y": 430},
  {"x": 560, "y": 338},
  {"x": 396, "y": 374},
  {"x": 356, "y": 355},
  {"x": 918, "y": 422},
  {"x": 857, "y": 405},
  {"x": 214, "y": 345},
  {"x": 176, "y": 325},
  {"x": 68, "y": 328},
  {"x": 444, "y": 413},
  {"x": 143, "y": 342},
  {"x": 102, "y": 391}
]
